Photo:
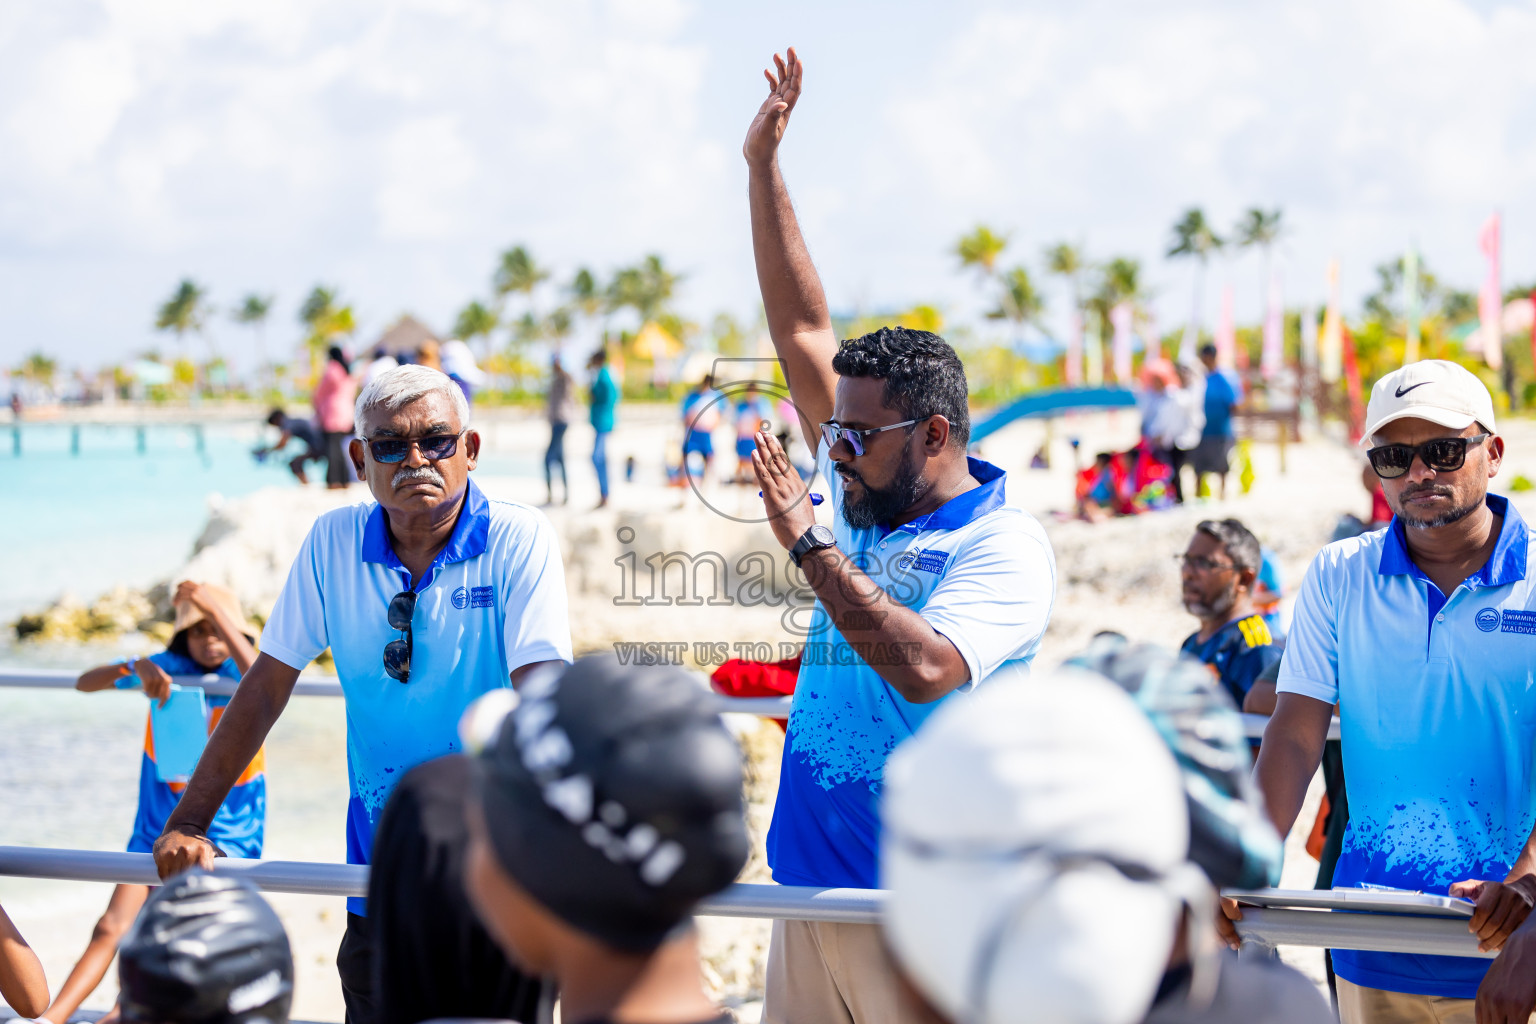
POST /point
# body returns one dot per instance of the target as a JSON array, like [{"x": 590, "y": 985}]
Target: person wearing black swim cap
[
  {"x": 607, "y": 804},
  {"x": 206, "y": 949}
]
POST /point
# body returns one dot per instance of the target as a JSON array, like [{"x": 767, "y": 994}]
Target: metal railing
[
  {"x": 1389, "y": 933},
  {"x": 327, "y": 686}
]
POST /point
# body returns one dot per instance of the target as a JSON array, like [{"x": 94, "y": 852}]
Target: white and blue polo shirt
[
  {"x": 981, "y": 572},
  {"x": 492, "y": 601},
  {"x": 1437, "y": 709}
]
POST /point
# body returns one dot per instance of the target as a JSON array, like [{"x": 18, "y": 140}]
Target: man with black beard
[
  {"x": 928, "y": 583},
  {"x": 1217, "y": 573},
  {"x": 1424, "y": 635}
]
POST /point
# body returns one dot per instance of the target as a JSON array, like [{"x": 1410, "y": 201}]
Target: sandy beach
[{"x": 625, "y": 570}]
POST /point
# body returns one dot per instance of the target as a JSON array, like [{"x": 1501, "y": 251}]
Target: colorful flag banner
[
  {"x": 1411, "y": 311},
  {"x": 1490, "y": 305},
  {"x": 1533, "y": 324},
  {"x": 1154, "y": 343},
  {"x": 1120, "y": 348},
  {"x": 1352, "y": 384},
  {"x": 1226, "y": 332},
  {"x": 1272, "y": 355},
  {"x": 1074, "y": 366},
  {"x": 1093, "y": 355},
  {"x": 1330, "y": 365}
]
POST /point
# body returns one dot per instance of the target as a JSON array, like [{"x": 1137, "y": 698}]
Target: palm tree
[
  {"x": 254, "y": 310},
  {"x": 980, "y": 250},
  {"x": 1021, "y": 302},
  {"x": 1066, "y": 260},
  {"x": 647, "y": 288},
  {"x": 517, "y": 273},
  {"x": 39, "y": 368},
  {"x": 186, "y": 310},
  {"x": 326, "y": 320},
  {"x": 586, "y": 296},
  {"x": 475, "y": 321},
  {"x": 1262, "y": 229},
  {"x": 1193, "y": 236}
]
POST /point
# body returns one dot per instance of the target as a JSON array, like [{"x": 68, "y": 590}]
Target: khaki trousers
[
  {"x": 1361, "y": 1005},
  {"x": 825, "y": 973}
]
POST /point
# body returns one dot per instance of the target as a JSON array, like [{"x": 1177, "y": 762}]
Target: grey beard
[
  {"x": 408, "y": 474},
  {"x": 1221, "y": 607},
  {"x": 1455, "y": 515}
]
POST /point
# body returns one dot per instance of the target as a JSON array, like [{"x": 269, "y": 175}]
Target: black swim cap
[
  {"x": 612, "y": 794},
  {"x": 206, "y": 949}
]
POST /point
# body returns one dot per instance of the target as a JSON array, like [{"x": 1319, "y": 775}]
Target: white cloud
[{"x": 393, "y": 147}]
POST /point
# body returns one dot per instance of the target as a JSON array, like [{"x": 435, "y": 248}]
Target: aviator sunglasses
[
  {"x": 390, "y": 450},
  {"x": 1443, "y": 455},
  {"x": 833, "y": 432},
  {"x": 397, "y": 653}
]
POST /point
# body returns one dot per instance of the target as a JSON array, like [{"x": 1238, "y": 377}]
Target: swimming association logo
[
  {"x": 1488, "y": 620},
  {"x": 461, "y": 600}
]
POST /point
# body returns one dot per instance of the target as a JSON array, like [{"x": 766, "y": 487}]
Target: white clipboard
[{"x": 1379, "y": 901}]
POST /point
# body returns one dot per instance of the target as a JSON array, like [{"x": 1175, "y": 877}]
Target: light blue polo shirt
[
  {"x": 1437, "y": 710},
  {"x": 981, "y": 572},
  {"x": 492, "y": 601}
]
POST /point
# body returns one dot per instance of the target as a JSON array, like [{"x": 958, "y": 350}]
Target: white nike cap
[{"x": 1432, "y": 389}]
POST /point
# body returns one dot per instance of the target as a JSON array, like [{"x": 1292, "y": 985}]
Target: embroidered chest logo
[
  {"x": 1487, "y": 620},
  {"x": 474, "y": 597},
  {"x": 924, "y": 561}
]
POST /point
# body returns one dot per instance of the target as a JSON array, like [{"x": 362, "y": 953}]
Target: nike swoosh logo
[{"x": 1403, "y": 391}]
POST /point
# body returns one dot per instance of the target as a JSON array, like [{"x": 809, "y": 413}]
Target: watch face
[{"x": 821, "y": 535}]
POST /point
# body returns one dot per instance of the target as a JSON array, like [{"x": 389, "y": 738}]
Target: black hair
[
  {"x": 339, "y": 356},
  {"x": 1207, "y": 349},
  {"x": 923, "y": 375},
  {"x": 1240, "y": 543},
  {"x": 275, "y": 417},
  {"x": 600, "y": 356}
]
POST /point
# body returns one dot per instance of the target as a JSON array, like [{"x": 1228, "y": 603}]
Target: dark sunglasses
[
  {"x": 1199, "y": 563},
  {"x": 390, "y": 450},
  {"x": 1443, "y": 455},
  {"x": 397, "y": 653},
  {"x": 833, "y": 432}
]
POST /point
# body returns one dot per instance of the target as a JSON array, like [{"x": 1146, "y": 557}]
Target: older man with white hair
[{"x": 427, "y": 597}]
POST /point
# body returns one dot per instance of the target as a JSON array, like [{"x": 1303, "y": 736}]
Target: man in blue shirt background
[
  {"x": 1217, "y": 573},
  {"x": 1424, "y": 635},
  {"x": 1223, "y": 393}
]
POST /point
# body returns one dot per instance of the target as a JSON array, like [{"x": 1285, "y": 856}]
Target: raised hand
[{"x": 768, "y": 126}]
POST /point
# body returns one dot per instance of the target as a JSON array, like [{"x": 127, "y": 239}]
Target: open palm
[{"x": 773, "y": 116}]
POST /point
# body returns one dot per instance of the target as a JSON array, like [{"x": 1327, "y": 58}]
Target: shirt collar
[
  {"x": 1506, "y": 565},
  {"x": 969, "y": 506},
  {"x": 470, "y": 533}
]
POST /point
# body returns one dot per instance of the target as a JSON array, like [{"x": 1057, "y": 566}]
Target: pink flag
[
  {"x": 1226, "y": 331},
  {"x": 1273, "y": 356},
  {"x": 1120, "y": 347},
  {"x": 1154, "y": 345},
  {"x": 1490, "y": 303}
]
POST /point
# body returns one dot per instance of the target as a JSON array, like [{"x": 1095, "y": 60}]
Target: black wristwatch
[{"x": 816, "y": 537}]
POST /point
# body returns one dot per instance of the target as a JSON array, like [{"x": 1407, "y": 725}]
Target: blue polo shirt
[
  {"x": 492, "y": 601},
  {"x": 981, "y": 572},
  {"x": 1437, "y": 710}
]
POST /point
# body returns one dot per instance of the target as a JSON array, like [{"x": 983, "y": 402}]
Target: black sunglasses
[
  {"x": 1443, "y": 455},
  {"x": 833, "y": 432},
  {"x": 390, "y": 450},
  {"x": 397, "y": 653}
]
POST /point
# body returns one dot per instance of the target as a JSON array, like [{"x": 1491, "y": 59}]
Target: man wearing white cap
[{"x": 1424, "y": 635}]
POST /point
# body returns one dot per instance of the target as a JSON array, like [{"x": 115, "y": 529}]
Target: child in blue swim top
[{"x": 211, "y": 636}]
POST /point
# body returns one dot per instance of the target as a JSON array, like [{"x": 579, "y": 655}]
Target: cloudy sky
[{"x": 393, "y": 147}]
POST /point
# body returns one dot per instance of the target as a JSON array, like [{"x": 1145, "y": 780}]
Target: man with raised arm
[
  {"x": 427, "y": 597},
  {"x": 1424, "y": 636},
  {"x": 928, "y": 583}
]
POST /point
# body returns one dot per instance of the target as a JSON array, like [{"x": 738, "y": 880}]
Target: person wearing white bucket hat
[
  {"x": 1423, "y": 634},
  {"x": 1012, "y": 822}
]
